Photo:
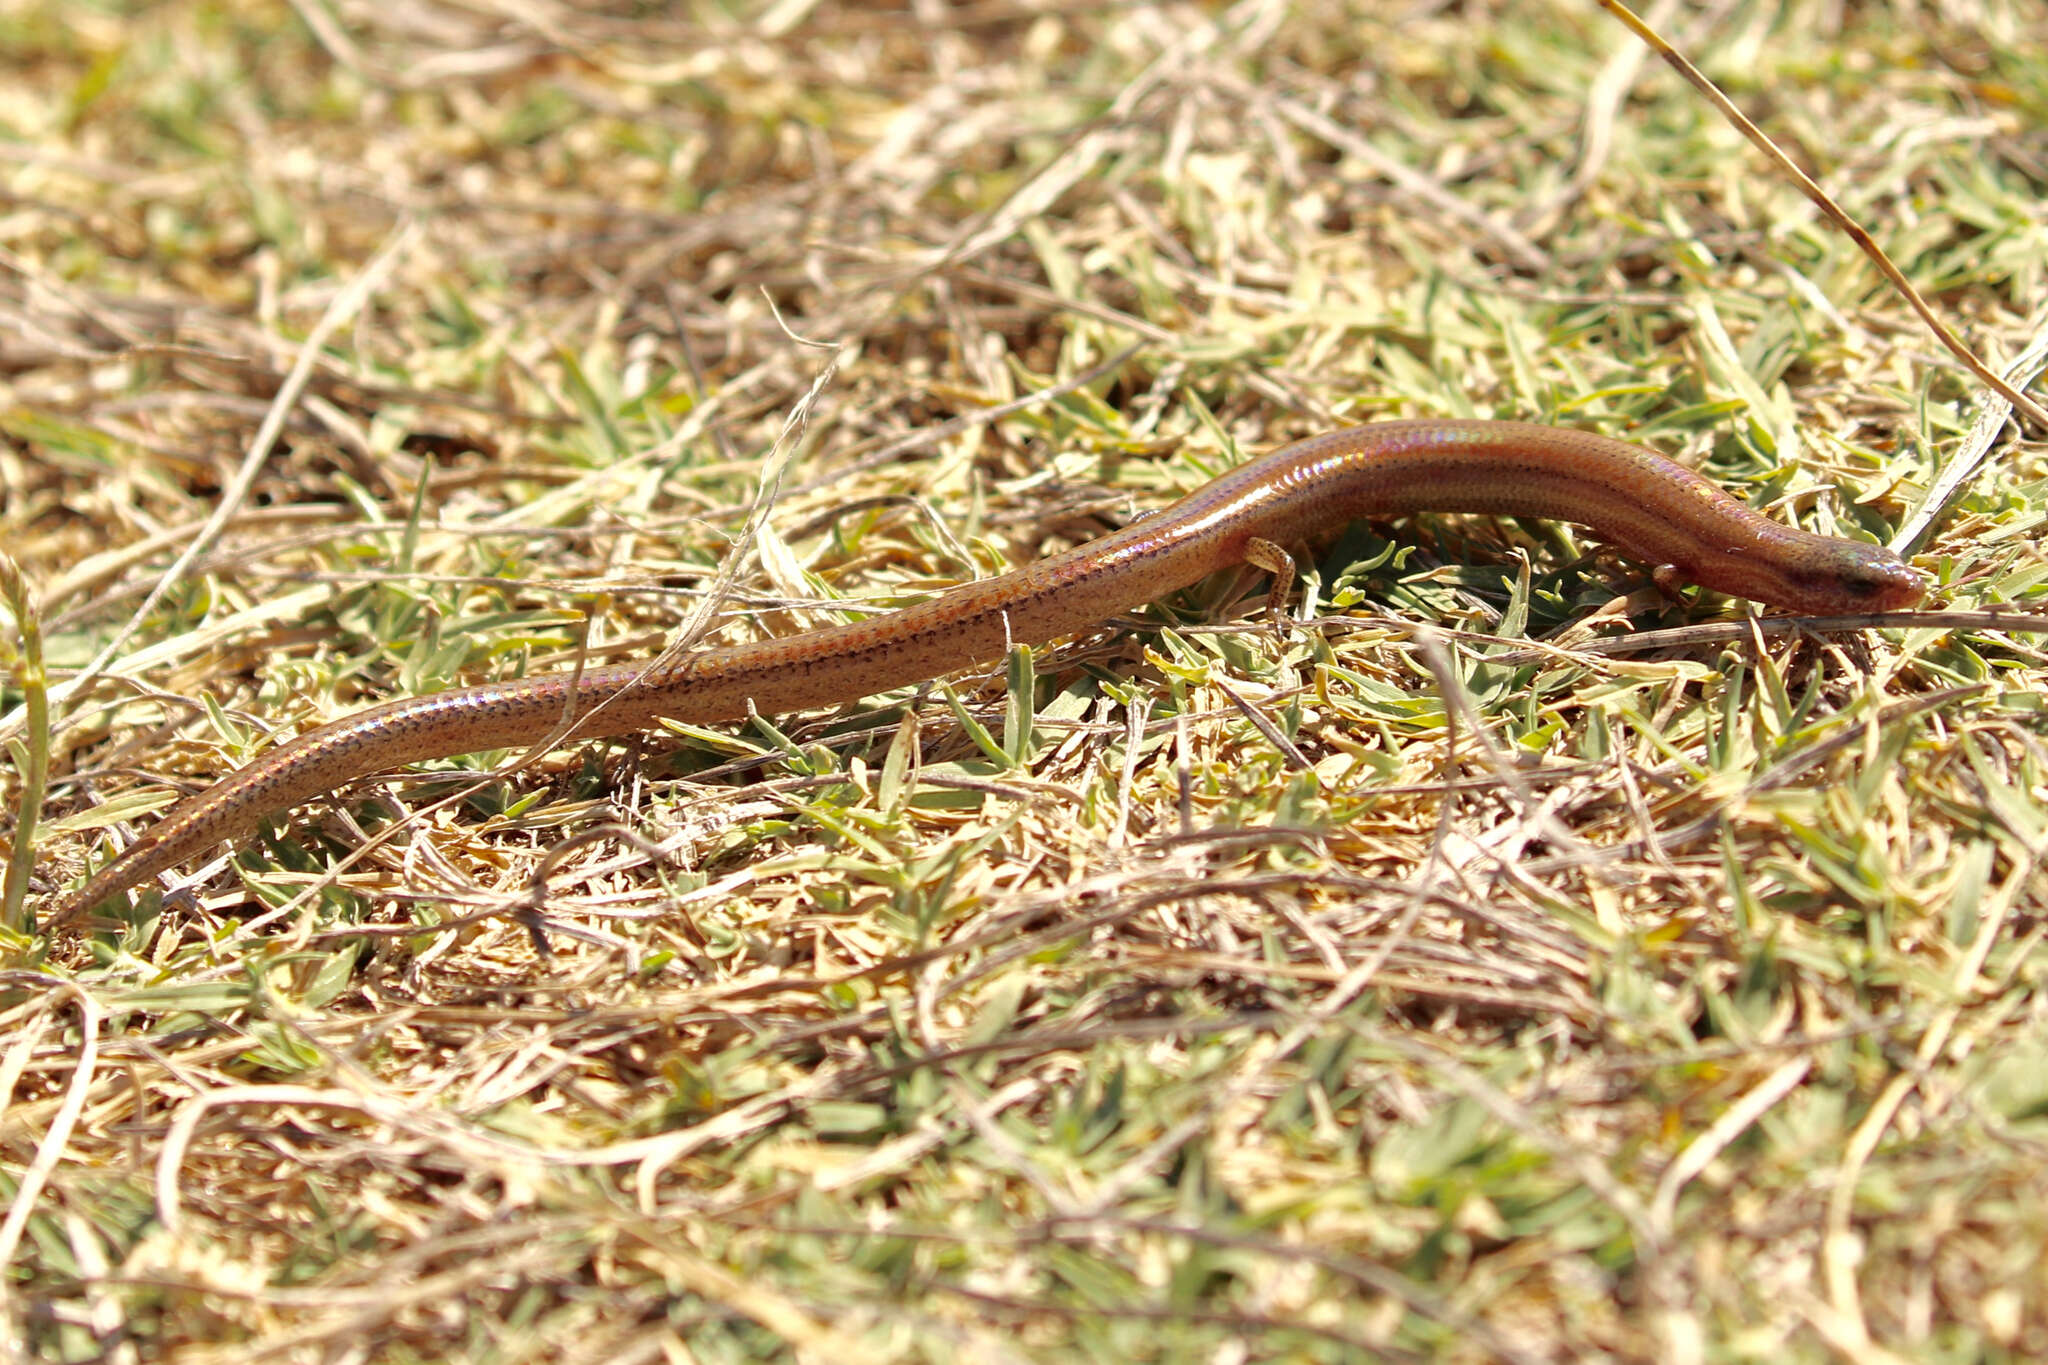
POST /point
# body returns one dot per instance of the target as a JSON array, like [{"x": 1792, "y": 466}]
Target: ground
[{"x": 1500, "y": 960}]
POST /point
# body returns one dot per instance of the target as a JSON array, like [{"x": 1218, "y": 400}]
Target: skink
[{"x": 1646, "y": 506}]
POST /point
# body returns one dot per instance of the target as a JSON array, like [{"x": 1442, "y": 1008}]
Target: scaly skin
[{"x": 1646, "y": 506}]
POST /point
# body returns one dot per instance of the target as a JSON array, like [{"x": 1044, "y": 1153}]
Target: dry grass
[{"x": 1387, "y": 990}]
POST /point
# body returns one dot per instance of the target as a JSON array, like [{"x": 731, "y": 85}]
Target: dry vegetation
[{"x": 1394, "y": 988}]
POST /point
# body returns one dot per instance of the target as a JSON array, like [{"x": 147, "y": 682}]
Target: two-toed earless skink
[{"x": 1646, "y": 506}]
